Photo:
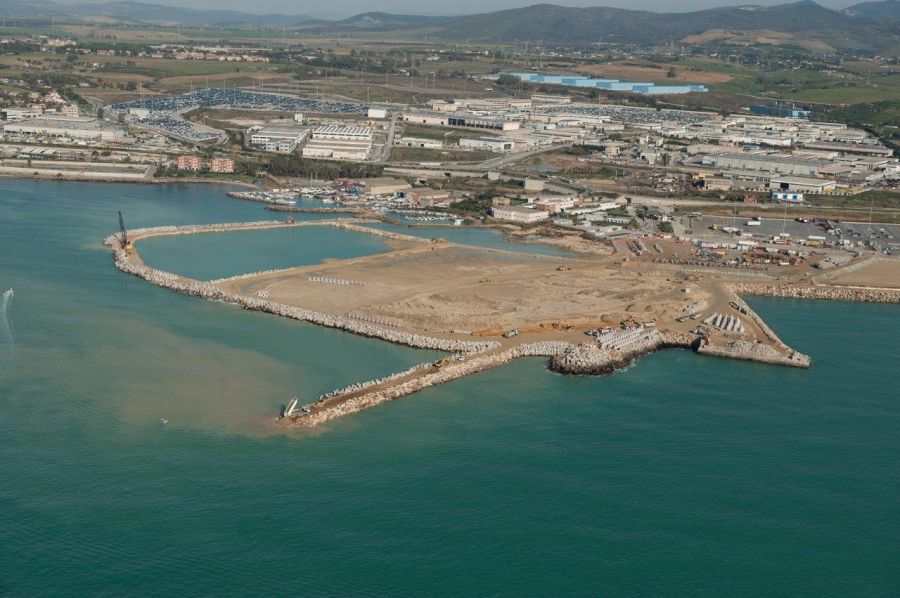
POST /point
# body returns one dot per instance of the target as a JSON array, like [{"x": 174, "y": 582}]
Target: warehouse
[
  {"x": 419, "y": 142},
  {"x": 853, "y": 148},
  {"x": 280, "y": 139},
  {"x": 343, "y": 133},
  {"x": 87, "y": 129},
  {"x": 342, "y": 143},
  {"x": 383, "y": 185},
  {"x": 778, "y": 164},
  {"x": 493, "y": 144},
  {"x": 519, "y": 214},
  {"x": 802, "y": 185}
]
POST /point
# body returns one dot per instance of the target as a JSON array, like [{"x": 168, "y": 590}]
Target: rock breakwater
[
  {"x": 206, "y": 290},
  {"x": 858, "y": 294},
  {"x": 592, "y": 358},
  {"x": 344, "y": 402}
]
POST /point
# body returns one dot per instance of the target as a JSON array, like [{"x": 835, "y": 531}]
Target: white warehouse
[
  {"x": 519, "y": 214},
  {"x": 282, "y": 140},
  {"x": 493, "y": 144}
]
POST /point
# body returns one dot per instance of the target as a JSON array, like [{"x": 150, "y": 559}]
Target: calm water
[
  {"x": 481, "y": 237},
  {"x": 681, "y": 475},
  {"x": 218, "y": 255}
]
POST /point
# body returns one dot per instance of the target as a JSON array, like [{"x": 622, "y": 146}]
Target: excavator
[{"x": 126, "y": 244}]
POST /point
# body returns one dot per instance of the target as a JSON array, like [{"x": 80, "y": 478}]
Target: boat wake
[{"x": 7, "y": 345}]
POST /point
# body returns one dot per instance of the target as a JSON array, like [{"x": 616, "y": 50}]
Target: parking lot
[
  {"x": 165, "y": 112},
  {"x": 769, "y": 227}
]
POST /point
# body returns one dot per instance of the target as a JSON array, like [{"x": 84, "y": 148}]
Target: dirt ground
[
  {"x": 460, "y": 290},
  {"x": 881, "y": 273}
]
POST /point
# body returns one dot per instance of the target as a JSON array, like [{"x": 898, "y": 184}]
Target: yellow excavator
[{"x": 126, "y": 244}]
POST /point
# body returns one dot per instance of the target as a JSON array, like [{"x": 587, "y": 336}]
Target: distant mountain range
[{"x": 868, "y": 24}]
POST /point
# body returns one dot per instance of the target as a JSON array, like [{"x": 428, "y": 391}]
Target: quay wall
[
  {"x": 858, "y": 294},
  {"x": 749, "y": 351}
]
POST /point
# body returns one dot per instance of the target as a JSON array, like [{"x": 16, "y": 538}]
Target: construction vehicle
[{"x": 123, "y": 239}]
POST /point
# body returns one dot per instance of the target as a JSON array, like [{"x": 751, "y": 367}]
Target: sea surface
[{"x": 681, "y": 475}]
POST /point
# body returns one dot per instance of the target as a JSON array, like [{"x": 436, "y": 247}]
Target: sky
[{"x": 345, "y": 8}]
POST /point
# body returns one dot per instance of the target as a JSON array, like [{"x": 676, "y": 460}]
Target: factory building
[
  {"x": 519, "y": 214},
  {"x": 278, "y": 139}
]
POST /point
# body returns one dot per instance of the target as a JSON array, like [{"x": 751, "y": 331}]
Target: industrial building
[
  {"x": 14, "y": 114},
  {"x": 420, "y": 142},
  {"x": 763, "y": 162},
  {"x": 472, "y": 122},
  {"x": 383, "y": 185},
  {"x": 779, "y": 111},
  {"x": 493, "y": 144},
  {"x": 342, "y": 143},
  {"x": 279, "y": 139},
  {"x": 608, "y": 84},
  {"x": 802, "y": 185},
  {"x": 519, "y": 214},
  {"x": 85, "y": 129},
  {"x": 789, "y": 197},
  {"x": 861, "y": 149}
]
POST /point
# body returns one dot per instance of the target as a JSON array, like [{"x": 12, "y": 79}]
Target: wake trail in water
[{"x": 7, "y": 344}]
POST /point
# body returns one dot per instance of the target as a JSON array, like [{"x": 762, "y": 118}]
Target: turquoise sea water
[{"x": 683, "y": 474}]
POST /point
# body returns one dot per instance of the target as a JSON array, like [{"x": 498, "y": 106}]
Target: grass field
[{"x": 418, "y": 154}]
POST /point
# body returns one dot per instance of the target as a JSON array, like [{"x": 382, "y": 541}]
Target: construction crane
[{"x": 126, "y": 244}]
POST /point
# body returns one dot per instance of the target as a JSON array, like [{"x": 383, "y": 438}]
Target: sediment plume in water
[{"x": 7, "y": 345}]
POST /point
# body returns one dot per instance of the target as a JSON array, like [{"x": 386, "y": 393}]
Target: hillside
[
  {"x": 872, "y": 25},
  {"x": 558, "y": 24}
]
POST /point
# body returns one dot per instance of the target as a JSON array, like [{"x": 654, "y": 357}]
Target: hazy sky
[{"x": 345, "y": 8}]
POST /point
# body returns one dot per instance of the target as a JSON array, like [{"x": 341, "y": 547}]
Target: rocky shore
[{"x": 859, "y": 294}]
